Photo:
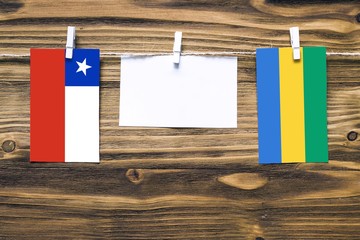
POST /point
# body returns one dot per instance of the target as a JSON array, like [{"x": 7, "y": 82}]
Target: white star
[{"x": 82, "y": 66}]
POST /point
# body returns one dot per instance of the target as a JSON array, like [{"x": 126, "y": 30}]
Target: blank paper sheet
[{"x": 200, "y": 92}]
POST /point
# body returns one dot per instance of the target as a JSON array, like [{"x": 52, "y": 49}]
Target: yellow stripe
[{"x": 292, "y": 107}]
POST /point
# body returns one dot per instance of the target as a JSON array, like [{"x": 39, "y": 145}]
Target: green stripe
[{"x": 316, "y": 141}]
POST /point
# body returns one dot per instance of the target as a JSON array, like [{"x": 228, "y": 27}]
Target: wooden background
[{"x": 180, "y": 183}]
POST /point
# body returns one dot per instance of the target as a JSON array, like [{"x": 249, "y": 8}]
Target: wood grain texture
[{"x": 179, "y": 183}]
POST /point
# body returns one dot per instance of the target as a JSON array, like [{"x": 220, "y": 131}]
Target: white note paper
[{"x": 200, "y": 92}]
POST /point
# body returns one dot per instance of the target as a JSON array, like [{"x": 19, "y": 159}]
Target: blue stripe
[
  {"x": 73, "y": 77},
  {"x": 268, "y": 96}
]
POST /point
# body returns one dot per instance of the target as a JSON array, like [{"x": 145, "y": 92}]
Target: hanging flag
[
  {"x": 64, "y": 105},
  {"x": 292, "y": 120}
]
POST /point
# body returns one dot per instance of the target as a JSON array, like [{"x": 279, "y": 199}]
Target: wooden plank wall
[{"x": 180, "y": 183}]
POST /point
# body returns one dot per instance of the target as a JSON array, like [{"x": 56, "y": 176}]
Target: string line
[{"x": 129, "y": 54}]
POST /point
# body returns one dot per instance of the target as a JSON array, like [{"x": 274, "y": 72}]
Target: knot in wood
[
  {"x": 352, "y": 136},
  {"x": 135, "y": 176},
  {"x": 358, "y": 18},
  {"x": 259, "y": 238},
  {"x": 8, "y": 146},
  {"x": 244, "y": 181}
]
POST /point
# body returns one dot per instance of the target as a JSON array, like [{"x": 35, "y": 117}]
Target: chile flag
[{"x": 64, "y": 105}]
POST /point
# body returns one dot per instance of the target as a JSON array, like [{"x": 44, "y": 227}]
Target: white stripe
[{"x": 82, "y": 124}]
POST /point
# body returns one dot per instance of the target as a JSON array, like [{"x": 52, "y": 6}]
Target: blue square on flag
[{"x": 83, "y": 68}]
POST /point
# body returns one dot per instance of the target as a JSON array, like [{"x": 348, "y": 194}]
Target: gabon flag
[
  {"x": 64, "y": 105},
  {"x": 291, "y": 94}
]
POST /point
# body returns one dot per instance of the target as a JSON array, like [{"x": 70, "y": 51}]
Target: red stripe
[{"x": 47, "y": 105}]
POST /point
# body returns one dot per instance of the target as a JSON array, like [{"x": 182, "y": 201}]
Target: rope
[{"x": 127, "y": 54}]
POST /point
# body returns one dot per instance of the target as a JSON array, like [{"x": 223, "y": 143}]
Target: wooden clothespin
[
  {"x": 70, "y": 42},
  {"x": 295, "y": 42},
  {"x": 177, "y": 47}
]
